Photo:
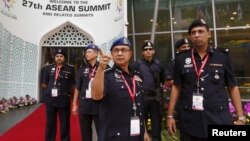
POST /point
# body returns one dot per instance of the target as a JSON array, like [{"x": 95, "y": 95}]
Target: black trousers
[
  {"x": 186, "y": 137},
  {"x": 51, "y": 123},
  {"x": 152, "y": 110},
  {"x": 86, "y": 125}
]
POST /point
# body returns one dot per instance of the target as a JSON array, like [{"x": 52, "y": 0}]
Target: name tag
[
  {"x": 88, "y": 91},
  {"x": 197, "y": 102},
  {"x": 54, "y": 92},
  {"x": 134, "y": 126}
]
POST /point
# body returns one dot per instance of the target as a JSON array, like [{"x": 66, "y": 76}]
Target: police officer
[
  {"x": 201, "y": 75},
  {"x": 120, "y": 89},
  {"x": 180, "y": 46},
  {"x": 153, "y": 77},
  {"x": 58, "y": 83},
  {"x": 88, "y": 109}
]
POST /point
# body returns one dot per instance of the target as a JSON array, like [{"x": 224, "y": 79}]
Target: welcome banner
[
  {"x": 26, "y": 24},
  {"x": 30, "y": 19}
]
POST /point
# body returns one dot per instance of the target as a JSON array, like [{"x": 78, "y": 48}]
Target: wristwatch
[{"x": 242, "y": 118}]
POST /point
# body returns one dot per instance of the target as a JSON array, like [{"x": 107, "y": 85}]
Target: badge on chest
[
  {"x": 118, "y": 78},
  {"x": 197, "y": 101},
  {"x": 54, "y": 92},
  {"x": 134, "y": 126}
]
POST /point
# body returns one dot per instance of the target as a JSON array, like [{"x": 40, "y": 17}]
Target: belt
[{"x": 149, "y": 93}]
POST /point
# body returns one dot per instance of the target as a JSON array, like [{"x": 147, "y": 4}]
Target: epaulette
[
  {"x": 51, "y": 64},
  {"x": 108, "y": 69},
  {"x": 178, "y": 53},
  {"x": 70, "y": 65},
  {"x": 224, "y": 50},
  {"x": 117, "y": 70}
]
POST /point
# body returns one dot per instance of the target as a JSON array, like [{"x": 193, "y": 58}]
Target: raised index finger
[{"x": 100, "y": 51}]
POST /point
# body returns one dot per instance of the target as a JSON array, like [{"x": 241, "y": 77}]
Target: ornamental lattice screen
[
  {"x": 18, "y": 66},
  {"x": 67, "y": 35}
]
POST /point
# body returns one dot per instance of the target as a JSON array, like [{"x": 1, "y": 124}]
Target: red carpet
[{"x": 32, "y": 128}]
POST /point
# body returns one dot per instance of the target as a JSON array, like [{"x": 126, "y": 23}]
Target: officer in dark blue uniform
[
  {"x": 201, "y": 75},
  {"x": 88, "y": 109},
  {"x": 180, "y": 46},
  {"x": 58, "y": 84},
  {"x": 153, "y": 76},
  {"x": 120, "y": 89}
]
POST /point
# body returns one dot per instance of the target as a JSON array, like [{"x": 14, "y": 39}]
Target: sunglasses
[
  {"x": 148, "y": 49},
  {"x": 123, "y": 50}
]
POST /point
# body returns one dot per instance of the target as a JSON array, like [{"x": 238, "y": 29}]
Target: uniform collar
[
  {"x": 96, "y": 64},
  {"x": 61, "y": 67},
  {"x": 152, "y": 61},
  {"x": 120, "y": 71},
  {"x": 210, "y": 50}
]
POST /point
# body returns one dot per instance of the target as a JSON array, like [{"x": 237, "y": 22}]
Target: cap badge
[
  {"x": 188, "y": 60},
  {"x": 149, "y": 44},
  {"x": 203, "y": 21},
  {"x": 125, "y": 41},
  {"x": 186, "y": 41}
]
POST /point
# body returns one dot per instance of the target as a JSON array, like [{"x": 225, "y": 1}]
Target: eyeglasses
[
  {"x": 148, "y": 49},
  {"x": 122, "y": 50}
]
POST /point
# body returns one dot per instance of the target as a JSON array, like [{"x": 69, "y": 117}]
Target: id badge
[
  {"x": 197, "y": 102},
  {"x": 88, "y": 91},
  {"x": 54, "y": 92},
  {"x": 134, "y": 126}
]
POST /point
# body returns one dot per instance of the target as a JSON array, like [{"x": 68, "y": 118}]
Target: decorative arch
[{"x": 67, "y": 35}]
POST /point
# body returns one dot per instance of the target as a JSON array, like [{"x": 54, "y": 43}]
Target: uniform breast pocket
[
  {"x": 123, "y": 90},
  {"x": 216, "y": 75},
  {"x": 65, "y": 75},
  {"x": 189, "y": 75}
]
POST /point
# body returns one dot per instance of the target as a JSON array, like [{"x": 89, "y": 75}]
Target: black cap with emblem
[
  {"x": 180, "y": 42},
  {"x": 147, "y": 43},
  {"x": 60, "y": 51},
  {"x": 198, "y": 23}
]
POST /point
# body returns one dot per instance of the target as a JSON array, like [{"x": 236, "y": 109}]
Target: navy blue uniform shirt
[
  {"x": 152, "y": 73},
  {"x": 116, "y": 106},
  {"x": 170, "y": 70},
  {"x": 64, "y": 83},
  {"x": 216, "y": 75},
  {"x": 86, "y": 105}
]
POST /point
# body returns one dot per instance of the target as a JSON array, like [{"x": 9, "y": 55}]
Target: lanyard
[
  {"x": 57, "y": 74},
  {"x": 132, "y": 94},
  {"x": 198, "y": 73},
  {"x": 92, "y": 74}
]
